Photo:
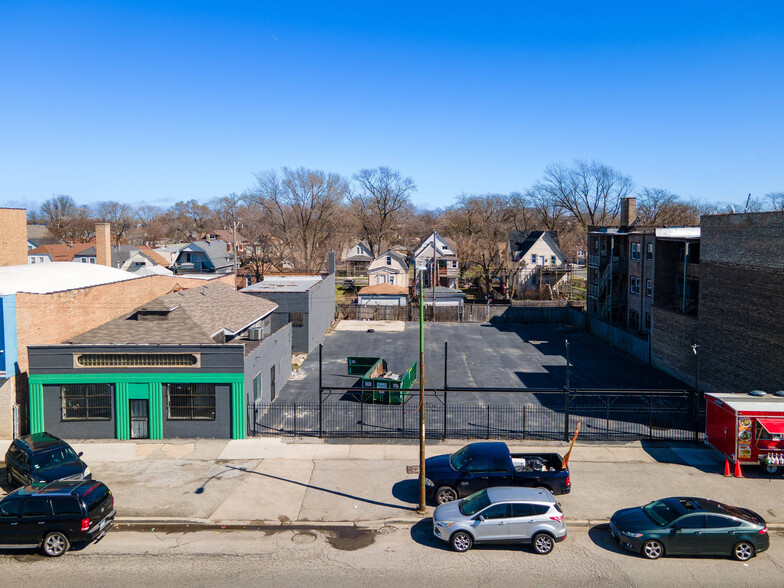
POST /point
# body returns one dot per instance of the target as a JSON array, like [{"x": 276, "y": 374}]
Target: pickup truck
[{"x": 482, "y": 465}]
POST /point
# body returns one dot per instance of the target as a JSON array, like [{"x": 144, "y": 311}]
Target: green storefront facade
[{"x": 135, "y": 401}]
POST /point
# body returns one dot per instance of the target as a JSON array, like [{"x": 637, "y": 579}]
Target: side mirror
[
  {"x": 80, "y": 454},
  {"x": 480, "y": 518}
]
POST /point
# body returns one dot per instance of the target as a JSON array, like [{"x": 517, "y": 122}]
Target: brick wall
[
  {"x": 672, "y": 336},
  {"x": 13, "y": 236}
]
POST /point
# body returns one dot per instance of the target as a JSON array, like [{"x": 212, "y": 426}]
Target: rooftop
[
  {"x": 284, "y": 284},
  {"x": 383, "y": 289},
  {"x": 678, "y": 233},
  {"x": 191, "y": 316},
  {"x": 46, "y": 278}
]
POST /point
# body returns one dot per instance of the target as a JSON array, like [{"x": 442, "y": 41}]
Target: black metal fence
[{"x": 551, "y": 415}]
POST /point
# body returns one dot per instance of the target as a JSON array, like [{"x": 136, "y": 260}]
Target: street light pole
[{"x": 422, "y": 508}]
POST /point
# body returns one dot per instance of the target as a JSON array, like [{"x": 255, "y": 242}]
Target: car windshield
[
  {"x": 459, "y": 458},
  {"x": 660, "y": 513},
  {"x": 54, "y": 459},
  {"x": 474, "y": 503}
]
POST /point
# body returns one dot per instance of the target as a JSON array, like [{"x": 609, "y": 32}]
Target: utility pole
[{"x": 422, "y": 509}]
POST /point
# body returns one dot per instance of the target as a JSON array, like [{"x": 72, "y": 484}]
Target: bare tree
[
  {"x": 189, "y": 220},
  {"x": 590, "y": 191},
  {"x": 775, "y": 200},
  {"x": 521, "y": 212},
  {"x": 55, "y": 214},
  {"x": 379, "y": 202},
  {"x": 547, "y": 208},
  {"x": 478, "y": 226},
  {"x": 303, "y": 209},
  {"x": 121, "y": 216}
]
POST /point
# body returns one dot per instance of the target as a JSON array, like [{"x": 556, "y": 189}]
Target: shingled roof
[
  {"x": 521, "y": 241},
  {"x": 186, "y": 317}
]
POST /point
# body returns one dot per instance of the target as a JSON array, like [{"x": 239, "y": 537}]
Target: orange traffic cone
[
  {"x": 738, "y": 473},
  {"x": 727, "y": 473}
]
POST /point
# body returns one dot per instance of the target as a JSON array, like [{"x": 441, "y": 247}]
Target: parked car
[
  {"x": 690, "y": 526},
  {"x": 502, "y": 515},
  {"x": 53, "y": 516},
  {"x": 483, "y": 465},
  {"x": 42, "y": 457}
]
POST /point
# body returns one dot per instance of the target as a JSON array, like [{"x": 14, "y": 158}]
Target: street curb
[{"x": 141, "y": 523}]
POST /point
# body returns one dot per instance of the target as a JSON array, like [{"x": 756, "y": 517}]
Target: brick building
[
  {"x": 730, "y": 307},
  {"x": 13, "y": 236}
]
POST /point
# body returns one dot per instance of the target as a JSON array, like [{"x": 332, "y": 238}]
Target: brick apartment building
[{"x": 731, "y": 309}]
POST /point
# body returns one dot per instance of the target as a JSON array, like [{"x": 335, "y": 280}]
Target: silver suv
[{"x": 502, "y": 515}]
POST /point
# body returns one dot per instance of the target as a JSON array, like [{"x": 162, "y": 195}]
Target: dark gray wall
[
  {"x": 54, "y": 424},
  {"x": 58, "y": 359},
  {"x": 321, "y": 312},
  {"x": 220, "y": 428},
  {"x": 275, "y": 350}
]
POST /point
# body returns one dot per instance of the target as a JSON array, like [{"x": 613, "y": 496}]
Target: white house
[
  {"x": 537, "y": 259},
  {"x": 358, "y": 258},
  {"x": 389, "y": 268},
  {"x": 446, "y": 260}
]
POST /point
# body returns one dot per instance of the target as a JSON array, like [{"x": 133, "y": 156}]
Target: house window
[
  {"x": 444, "y": 247},
  {"x": 92, "y": 260},
  {"x": 648, "y": 321},
  {"x": 636, "y": 251},
  {"x": 190, "y": 402},
  {"x": 634, "y": 285},
  {"x": 86, "y": 402},
  {"x": 297, "y": 319},
  {"x": 100, "y": 360},
  {"x": 533, "y": 258},
  {"x": 391, "y": 279},
  {"x": 257, "y": 388},
  {"x": 454, "y": 264},
  {"x": 32, "y": 260},
  {"x": 634, "y": 319},
  {"x": 389, "y": 260},
  {"x": 648, "y": 287},
  {"x": 650, "y": 251},
  {"x": 382, "y": 279},
  {"x": 553, "y": 259}
]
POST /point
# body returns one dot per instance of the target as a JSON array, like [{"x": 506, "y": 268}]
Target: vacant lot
[{"x": 481, "y": 355}]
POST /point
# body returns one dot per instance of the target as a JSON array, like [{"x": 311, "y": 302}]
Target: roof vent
[
  {"x": 758, "y": 393},
  {"x": 255, "y": 334}
]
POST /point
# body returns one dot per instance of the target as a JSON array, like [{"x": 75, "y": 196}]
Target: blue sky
[{"x": 153, "y": 102}]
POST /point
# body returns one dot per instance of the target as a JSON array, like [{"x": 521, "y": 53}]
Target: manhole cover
[
  {"x": 303, "y": 538},
  {"x": 412, "y": 469},
  {"x": 386, "y": 530}
]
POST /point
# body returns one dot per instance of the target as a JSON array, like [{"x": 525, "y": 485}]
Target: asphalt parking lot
[{"x": 481, "y": 355}]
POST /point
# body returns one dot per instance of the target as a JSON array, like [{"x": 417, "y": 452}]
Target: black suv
[
  {"x": 55, "y": 515},
  {"x": 43, "y": 458}
]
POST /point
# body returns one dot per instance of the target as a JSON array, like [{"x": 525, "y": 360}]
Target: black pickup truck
[{"x": 481, "y": 465}]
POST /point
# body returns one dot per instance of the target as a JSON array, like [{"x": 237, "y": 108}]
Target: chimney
[
  {"x": 103, "y": 244},
  {"x": 331, "y": 263},
  {"x": 628, "y": 211},
  {"x": 13, "y": 236}
]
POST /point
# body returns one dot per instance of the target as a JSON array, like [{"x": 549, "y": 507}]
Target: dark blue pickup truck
[{"x": 481, "y": 465}]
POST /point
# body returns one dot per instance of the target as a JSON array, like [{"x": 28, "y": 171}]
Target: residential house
[
  {"x": 204, "y": 256},
  {"x": 383, "y": 295},
  {"x": 358, "y": 258},
  {"x": 38, "y": 235},
  {"x": 436, "y": 250},
  {"x": 59, "y": 252},
  {"x": 305, "y": 301},
  {"x": 184, "y": 365},
  {"x": 389, "y": 268},
  {"x": 170, "y": 252},
  {"x": 128, "y": 258},
  {"x": 537, "y": 260},
  {"x": 227, "y": 237}
]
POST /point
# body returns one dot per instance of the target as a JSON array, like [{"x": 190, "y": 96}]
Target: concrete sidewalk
[{"x": 270, "y": 481}]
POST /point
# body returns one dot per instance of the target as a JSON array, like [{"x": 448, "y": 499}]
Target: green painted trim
[
  {"x": 121, "y": 411},
  {"x": 156, "y": 410},
  {"x": 114, "y": 378},
  {"x": 238, "y": 410},
  {"x": 36, "y": 407}
]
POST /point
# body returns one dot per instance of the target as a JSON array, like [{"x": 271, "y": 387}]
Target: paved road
[{"x": 400, "y": 555}]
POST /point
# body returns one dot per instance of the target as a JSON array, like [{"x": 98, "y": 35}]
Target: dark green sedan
[{"x": 690, "y": 526}]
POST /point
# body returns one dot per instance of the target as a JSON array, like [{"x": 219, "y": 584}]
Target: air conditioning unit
[{"x": 256, "y": 334}]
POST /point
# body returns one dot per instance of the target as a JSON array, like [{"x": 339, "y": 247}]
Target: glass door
[{"x": 140, "y": 418}]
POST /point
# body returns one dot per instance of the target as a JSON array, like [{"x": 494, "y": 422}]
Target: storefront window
[
  {"x": 86, "y": 402},
  {"x": 190, "y": 402}
]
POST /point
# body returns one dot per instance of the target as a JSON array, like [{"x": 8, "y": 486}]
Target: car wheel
[
  {"x": 743, "y": 551},
  {"x": 55, "y": 544},
  {"x": 652, "y": 549},
  {"x": 445, "y": 494},
  {"x": 542, "y": 543},
  {"x": 461, "y": 541},
  {"x": 770, "y": 468},
  {"x": 9, "y": 478}
]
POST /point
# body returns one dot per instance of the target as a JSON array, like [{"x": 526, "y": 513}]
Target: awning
[{"x": 773, "y": 426}]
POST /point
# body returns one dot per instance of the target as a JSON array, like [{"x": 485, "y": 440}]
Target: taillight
[
  {"x": 85, "y": 524},
  {"x": 112, "y": 499},
  {"x": 558, "y": 519},
  {"x": 568, "y": 481},
  {"x": 763, "y": 530}
]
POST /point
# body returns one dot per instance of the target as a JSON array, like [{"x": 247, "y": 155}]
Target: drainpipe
[{"x": 685, "y": 267}]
